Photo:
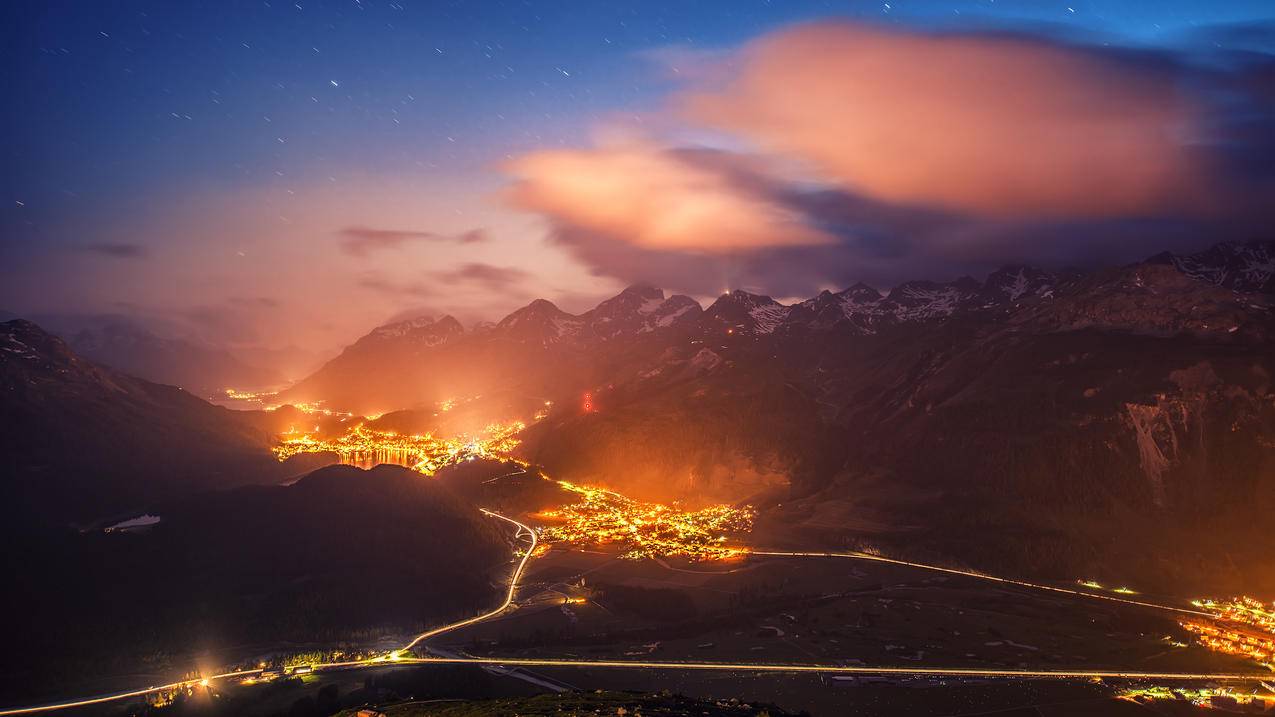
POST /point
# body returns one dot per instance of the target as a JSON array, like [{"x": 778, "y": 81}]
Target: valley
[
  {"x": 619, "y": 563},
  {"x": 736, "y": 358}
]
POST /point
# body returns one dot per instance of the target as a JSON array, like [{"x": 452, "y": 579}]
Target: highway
[
  {"x": 718, "y": 666},
  {"x": 982, "y": 576},
  {"x": 852, "y": 670},
  {"x": 87, "y": 701}
]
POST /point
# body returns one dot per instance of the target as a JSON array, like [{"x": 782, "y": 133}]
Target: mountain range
[
  {"x": 1039, "y": 421},
  {"x": 1106, "y": 423},
  {"x": 425, "y": 360}
]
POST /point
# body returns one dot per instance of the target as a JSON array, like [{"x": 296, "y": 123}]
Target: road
[
  {"x": 399, "y": 658},
  {"x": 87, "y": 701},
  {"x": 851, "y": 670},
  {"x": 982, "y": 576},
  {"x": 509, "y": 596}
]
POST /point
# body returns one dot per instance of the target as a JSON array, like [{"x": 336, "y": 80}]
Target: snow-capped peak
[{"x": 427, "y": 328}]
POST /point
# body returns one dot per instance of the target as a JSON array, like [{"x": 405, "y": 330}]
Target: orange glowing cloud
[
  {"x": 656, "y": 199},
  {"x": 991, "y": 125}
]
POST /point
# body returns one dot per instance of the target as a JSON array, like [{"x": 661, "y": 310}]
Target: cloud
[
  {"x": 473, "y": 236},
  {"x": 361, "y": 241},
  {"x": 655, "y": 198},
  {"x": 117, "y": 251},
  {"x": 493, "y": 278},
  {"x": 994, "y": 125},
  {"x": 381, "y": 285},
  {"x": 253, "y": 302},
  {"x": 844, "y": 152}
]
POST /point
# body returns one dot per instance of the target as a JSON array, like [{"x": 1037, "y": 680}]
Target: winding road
[{"x": 509, "y": 596}]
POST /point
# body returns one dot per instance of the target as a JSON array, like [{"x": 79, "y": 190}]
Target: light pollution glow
[
  {"x": 600, "y": 517},
  {"x": 646, "y": 530},
  {"x": 1241, "y": 626},
  {"x": 423, "y": 453}
]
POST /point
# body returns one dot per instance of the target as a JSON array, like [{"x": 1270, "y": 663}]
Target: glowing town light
[
  {"x": 645, "y": 530},
  {"x": 425, "y": 454}
]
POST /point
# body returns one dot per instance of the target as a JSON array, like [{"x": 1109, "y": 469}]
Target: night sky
[{"x": 261, "y": 174}]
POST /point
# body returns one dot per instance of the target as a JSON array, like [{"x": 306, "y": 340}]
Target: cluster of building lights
[
  {"x": 1094, "y": 585},
  {"x": 425, "y": 454},
  {"x": 1198, "y": 696},
  {"x": 645, "y": 530},
  {"x": 1240, "y": 626},
  {"x": 236, "y": 395},
  {"x": 314, "y": 408}
]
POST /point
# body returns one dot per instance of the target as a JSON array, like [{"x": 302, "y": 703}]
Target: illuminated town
[
  {"x": 1240, "y": 626},
  {"x": 425, "y": 453},
  {"x": 264, "y": 400},
  {"x": 233, "y": 394},
  {"x": 646, "y": 530},
  {"x": 599, "y": 517},
  {"x": 1200, "y": 697}
]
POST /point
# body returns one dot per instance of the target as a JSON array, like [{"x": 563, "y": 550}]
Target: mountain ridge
[
  {"x": 643, "y": 314},
  {"x": 84, "y": 441},
  {"x": 1141, "y": 393}
]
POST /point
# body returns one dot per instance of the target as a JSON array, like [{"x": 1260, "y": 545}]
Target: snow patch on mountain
[
  {"x": 15, "y": 346},
  {"x": 668, "y": 319},
  {"x": 767, "y": 318},
  {"x": 564, "y": 327},
  {"x": 705, "y": 360},
  {"x": 423, "y": 330},
  {"x": 1018, "y": 286},
  {"x": 919, "y": 303},
  {"x": 1245, "y": 267},
  {"x": 402, "y": 328}
]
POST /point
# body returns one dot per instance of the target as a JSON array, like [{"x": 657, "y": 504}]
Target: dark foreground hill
[
  {"x": 337, "y": 557},
  {"x": 79, "y": 441}
]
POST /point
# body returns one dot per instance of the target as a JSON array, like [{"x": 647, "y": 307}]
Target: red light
[{"x": 588, "y": 403}]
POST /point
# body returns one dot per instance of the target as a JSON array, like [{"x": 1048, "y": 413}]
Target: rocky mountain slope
[
  {"x": 1247, "y": 267},
  {"x": 538, "y": 349},
  {"x": 124, "y": 344},
  {"x": 81, "y": 441},
  {"x": 201, "y": 370}
]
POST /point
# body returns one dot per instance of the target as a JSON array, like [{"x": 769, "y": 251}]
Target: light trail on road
[
  {"x": 509, "y": 597},
  {"x": 88, "y": 701},
  {"x": 717, "y": 666},
  {"x": 980, "y": 576},
  {"x": 852, "y": 670}
]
